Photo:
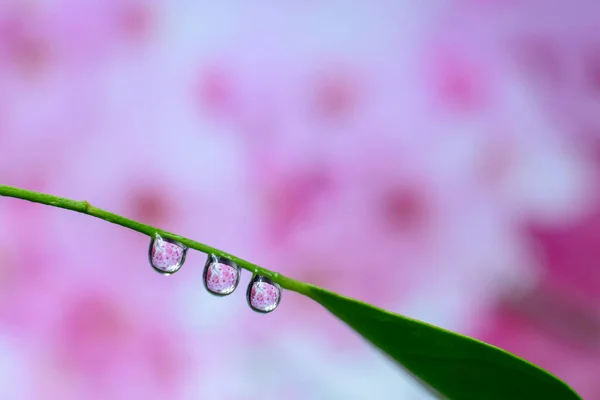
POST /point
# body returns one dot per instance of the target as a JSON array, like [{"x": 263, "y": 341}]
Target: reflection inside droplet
[
  {"x": 221, "y": 276},
  {"x": 166, "y": 256},
  {"x": 263, "y": 294}
]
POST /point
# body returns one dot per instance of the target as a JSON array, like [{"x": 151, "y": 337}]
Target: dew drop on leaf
[
  {"x": 166, "y": 256},
  {"x": 263, "y": 294},
  {"x": 221, "y": 276}
]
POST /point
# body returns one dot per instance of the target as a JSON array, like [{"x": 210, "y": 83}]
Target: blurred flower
[{"x": 392, "y": 152}]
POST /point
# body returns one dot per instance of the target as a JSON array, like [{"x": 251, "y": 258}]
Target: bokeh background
[{"x": 436, "y": 158}]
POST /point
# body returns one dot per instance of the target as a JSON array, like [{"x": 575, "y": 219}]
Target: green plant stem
[{"x": 85, "y": 207}]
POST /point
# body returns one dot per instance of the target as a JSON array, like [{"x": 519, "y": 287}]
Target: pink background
[{"x": 436, "y": 158}]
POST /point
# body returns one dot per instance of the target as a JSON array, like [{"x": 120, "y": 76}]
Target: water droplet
[
  {"x": 166, "y": 256},
  {"x": 263, "y": 294},
  {"x": 221, "y": 276}
]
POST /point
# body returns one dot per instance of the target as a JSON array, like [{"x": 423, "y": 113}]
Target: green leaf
[{"x": 457, "y": 367}]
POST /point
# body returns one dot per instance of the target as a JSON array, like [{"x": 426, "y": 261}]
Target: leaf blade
[{"x": 456, "y": 366}]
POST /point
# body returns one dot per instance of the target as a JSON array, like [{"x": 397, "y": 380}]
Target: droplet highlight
[
  {"x": 221, "y": 276},
  {"x": 263, "y": 294},
  {"x": 166, "y": 255}
]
